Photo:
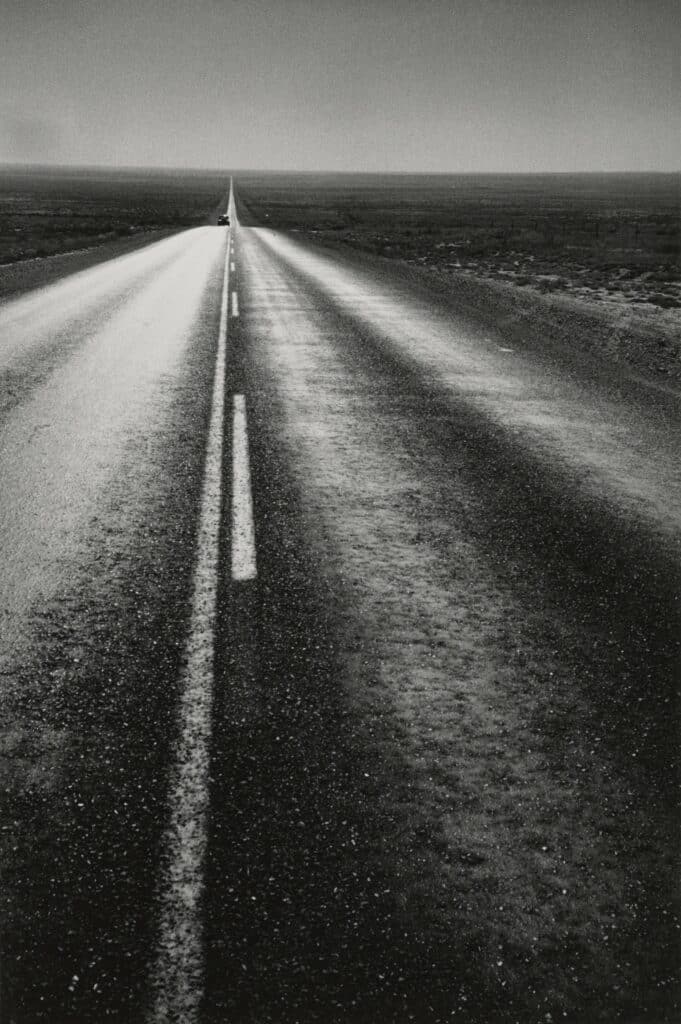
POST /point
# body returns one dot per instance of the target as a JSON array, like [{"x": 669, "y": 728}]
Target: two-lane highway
[{"x": 339, "y": 653}]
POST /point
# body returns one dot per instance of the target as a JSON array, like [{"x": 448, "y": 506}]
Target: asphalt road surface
[{"x": 339, "y": 653}]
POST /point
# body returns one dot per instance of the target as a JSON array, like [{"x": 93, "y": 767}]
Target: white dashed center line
[
  {"x": 232, "y": 268},
  {"x": 235, "y": 304},
  {"x": 178, "y": 978},
  {"x": 243, "y": 528}
]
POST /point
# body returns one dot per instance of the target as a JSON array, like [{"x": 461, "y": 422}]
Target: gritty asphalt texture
[
  {"x": 354, "y": 873},
  {"x": 83, "y": 816}
]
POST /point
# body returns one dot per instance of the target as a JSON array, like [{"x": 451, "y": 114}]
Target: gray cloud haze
[{"x": 450, "y": 85}]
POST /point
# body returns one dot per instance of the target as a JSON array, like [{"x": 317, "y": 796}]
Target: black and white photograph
[{"x": 340, "y": 511}]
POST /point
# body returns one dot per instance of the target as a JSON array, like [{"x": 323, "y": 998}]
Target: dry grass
[
  {"x": 603, "y": 236},
  {"x": 595, "y": 258},
  {"x": 45, "y": 211}
]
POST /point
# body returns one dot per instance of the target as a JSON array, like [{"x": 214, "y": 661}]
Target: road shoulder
[
  {"x": 610, "y": 339},
  {"x": 26, "y": 275}
]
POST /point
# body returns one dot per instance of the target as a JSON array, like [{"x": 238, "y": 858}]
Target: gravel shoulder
[
  {"x": 26, "y": 275},
  {"x": 612, "y": 332}
]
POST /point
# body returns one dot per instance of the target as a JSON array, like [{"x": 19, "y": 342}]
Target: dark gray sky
[{"x": 387, "y": 85}]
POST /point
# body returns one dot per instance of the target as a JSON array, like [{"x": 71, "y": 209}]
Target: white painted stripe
[
  {"x": 235, "y": 304},
  {"x": 178, "y": 978},
  {"x": 232, "y": 268},
  {"x": 243, "y": 527}
]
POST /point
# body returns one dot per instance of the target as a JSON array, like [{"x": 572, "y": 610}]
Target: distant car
[{"x": 223, "y": 219}]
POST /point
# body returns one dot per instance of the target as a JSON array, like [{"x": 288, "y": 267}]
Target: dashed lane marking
[
  {"x": 235, "y": 304},
  {"x": 178, "y": 978},
  {"x": 232, "y": 268},
  {"x": 243, "y": 528}
]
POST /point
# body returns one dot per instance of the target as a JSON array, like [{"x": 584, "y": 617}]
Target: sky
[{"x": 347, "y": 85}]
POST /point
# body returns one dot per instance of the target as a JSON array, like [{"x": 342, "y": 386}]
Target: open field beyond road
[
  {"x": 47, "y": 211},
  {"x": 591, "y": 234}
]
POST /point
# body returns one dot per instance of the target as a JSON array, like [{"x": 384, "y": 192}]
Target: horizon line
[{"x": 178, "y": 169}]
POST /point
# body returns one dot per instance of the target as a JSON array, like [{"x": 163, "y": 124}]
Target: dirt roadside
[
  {"x": 25, "y": 275},
  {"x": 645, "y": 340}
]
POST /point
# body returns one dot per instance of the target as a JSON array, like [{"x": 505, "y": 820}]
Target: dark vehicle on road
[{"x": 223, "y": 219}]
